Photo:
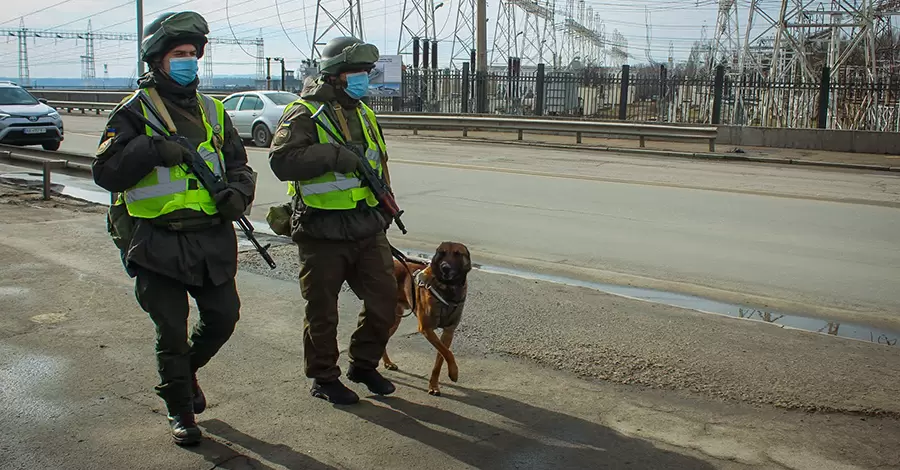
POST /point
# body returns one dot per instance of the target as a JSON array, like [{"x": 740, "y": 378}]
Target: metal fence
[{"x": 848, "y": 103}]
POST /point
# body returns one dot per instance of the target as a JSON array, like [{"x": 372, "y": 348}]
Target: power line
[{"x": 36, "y": 11}]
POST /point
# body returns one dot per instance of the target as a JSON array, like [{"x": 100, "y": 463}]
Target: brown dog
[{"x": 436, "y": 294}]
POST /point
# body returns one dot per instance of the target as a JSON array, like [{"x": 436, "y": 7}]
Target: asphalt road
[
  {"x": 666, "y": 388},
  {"x": 801, "y": 239}
]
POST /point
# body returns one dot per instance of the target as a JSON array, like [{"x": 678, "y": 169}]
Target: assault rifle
[
  {"x": 196, "y": 165},
  {"x": 381, "y": 190}
]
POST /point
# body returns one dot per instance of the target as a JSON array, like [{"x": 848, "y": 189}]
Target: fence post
[
  {"x": 718, "y": 89},
  {"x": 623, "y": 95},
  {"x": 539, "y": 91},
  {"x": 481, "y": 92},
  {"x": 824, "y": 94},
  {"x": 663, "y": 100},
  {"x": 464, "y": 89}
]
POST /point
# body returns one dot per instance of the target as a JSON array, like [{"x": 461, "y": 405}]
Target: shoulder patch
[
  {"x": 282, "y": 136},
  {"x": 104, "y": 146}
]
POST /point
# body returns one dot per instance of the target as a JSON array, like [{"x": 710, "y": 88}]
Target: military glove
[
  {"x": 172, "y": 154},
  {"x": 230, "y": 204},
  {"x": 346, "y": 161}
]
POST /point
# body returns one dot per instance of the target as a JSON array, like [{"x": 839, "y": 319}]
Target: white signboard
[{"x": 386, "y": 77}]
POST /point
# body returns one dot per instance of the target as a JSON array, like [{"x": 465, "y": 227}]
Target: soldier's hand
[
  {"x": 170, "y": 153},
  {"x": 230, "y": 204},
  {"x": 346, "y": 161}
]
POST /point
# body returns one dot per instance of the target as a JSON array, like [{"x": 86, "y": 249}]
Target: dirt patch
[{"x": 14, "y": 197}]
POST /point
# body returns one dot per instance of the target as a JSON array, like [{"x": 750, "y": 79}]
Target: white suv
[{"x": 26, "y": 120}]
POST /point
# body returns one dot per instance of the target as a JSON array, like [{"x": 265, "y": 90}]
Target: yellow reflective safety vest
[
  {"x": 335, "y": 190},
  {"x": 166, "y": 190}
]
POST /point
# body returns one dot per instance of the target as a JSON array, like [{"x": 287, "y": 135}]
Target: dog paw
[
  {"x": 391, "y": 366},
  {"x": 453, "y": 372}
]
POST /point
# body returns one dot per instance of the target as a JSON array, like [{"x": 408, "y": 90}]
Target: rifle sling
[
  {"x": 345, "y": 129},
  {"x": 342, "y": 121},
  {"x": 161, "y": 107}
]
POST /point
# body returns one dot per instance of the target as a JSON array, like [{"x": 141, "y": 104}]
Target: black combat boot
[
  {"x": 199, "y": 399},
  {"x": 371, "y": 378},
  {"x": 334, "y": 391},
  {"x": 184, "y": 429}
]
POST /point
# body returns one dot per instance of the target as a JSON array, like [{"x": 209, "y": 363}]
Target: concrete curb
[{"x": 677, "y": 154}]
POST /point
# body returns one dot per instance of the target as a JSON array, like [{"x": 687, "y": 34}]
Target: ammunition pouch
[
  {"x": 279, "y": 218},
  {"x": 120, "y": 225}
]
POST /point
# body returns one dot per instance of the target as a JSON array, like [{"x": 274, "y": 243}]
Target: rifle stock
[
  {"x": 212, "y": 182},
  {"x": 381, "y": 190}
]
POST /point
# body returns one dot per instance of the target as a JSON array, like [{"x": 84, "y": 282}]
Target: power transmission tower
[
  {"x": 260, "y": 56},
  {"x": 504, "y": 35},
  {"x": 618, "y": 49},
  {"x": 538, "y": 35},
  {"x": 416, "y": 23},
  {"x": 348, "y": 22},
  {"x": 22, "y": 35},
  {"x": 842, "y": 35},
  {"x": 649, "y": 27},
  {"x": 727, "y": 41},
  {"x": 88, "y": 60},
  {"x": 464, "y": 34},
  {"x": 207, "y": 66},
  {"x": 88, "y": 67},
  {"x": 584, "y": 35}
]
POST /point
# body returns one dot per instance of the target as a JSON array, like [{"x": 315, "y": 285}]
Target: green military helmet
[
  {"x": 173, "y": 29},
  {"x": 347, "y": 53}
]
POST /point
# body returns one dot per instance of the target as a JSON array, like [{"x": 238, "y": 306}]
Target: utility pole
[
  {"x": 481, "y": 56},
  {"x": 481, "y": 36},
  {"x": 283, "y": 73},
  {"x": 140, "y": 34},
  {"x": 269, "y": 73}
]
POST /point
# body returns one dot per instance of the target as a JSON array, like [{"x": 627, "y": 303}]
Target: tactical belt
[{"x": 187, "y": 225}]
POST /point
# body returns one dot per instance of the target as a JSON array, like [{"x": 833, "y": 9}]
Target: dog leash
[{"x": 402, "y": 258}]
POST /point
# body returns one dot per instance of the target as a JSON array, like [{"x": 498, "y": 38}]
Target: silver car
[
  {"x": 255, "y": 114},
  {"x": 26, "y": 120}
]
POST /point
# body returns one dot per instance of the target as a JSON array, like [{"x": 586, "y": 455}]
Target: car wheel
[
  {"x": 51, "y": 146},
  {"x": 261, "y": 135}
]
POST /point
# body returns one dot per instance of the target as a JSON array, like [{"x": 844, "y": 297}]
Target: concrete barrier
[{"x": 850, "y": 141}]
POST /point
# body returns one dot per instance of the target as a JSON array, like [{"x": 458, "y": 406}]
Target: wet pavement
[{"x": 834, "y": 327}]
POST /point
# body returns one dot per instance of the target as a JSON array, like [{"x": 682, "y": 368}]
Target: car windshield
[
  {"x": 282, "y": 99},
  {"x": 15, "y": 96}
]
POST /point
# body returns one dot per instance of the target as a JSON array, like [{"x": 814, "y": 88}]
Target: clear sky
[{"x": 287, "y": 28}]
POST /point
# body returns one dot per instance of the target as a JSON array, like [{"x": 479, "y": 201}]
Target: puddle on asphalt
[
  {"x": 59, "y": 184},
  {"x": 834, "y": 328},
  {"x": 7, "y": 291}
]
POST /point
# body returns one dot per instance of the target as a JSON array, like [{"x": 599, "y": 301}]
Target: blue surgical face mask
[
  {"x": 357, "y": 85},
  {"x": 183, "y": 69}
]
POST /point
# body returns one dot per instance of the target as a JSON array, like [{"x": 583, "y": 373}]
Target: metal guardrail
[
  {"x": 92, "y": 96},
  {"x": 47, "y": 161},
  {"x": 468, "y": 123},
  {"x": 97, "y": 101},
  {"x": 83, "y": 106}
]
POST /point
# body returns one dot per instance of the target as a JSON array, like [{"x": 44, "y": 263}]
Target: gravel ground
[{"x": 601, "y": 336}]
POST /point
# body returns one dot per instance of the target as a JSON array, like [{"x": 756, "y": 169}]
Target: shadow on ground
[
  {"x": 275, "y": 453},
  {"x": 533, "y": 438}
]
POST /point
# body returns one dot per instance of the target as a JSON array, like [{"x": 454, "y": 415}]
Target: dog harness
[{"x": 449, "y": 313}]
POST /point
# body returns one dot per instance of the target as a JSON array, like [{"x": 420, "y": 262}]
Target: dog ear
[
  {"x": 435, "y": 259},
  {"x": 467, "y": 257}
]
